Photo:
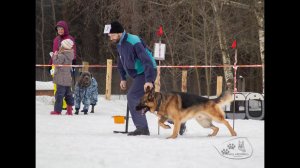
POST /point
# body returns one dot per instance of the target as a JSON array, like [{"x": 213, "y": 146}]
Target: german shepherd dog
[{"x": 180, "y": 107}]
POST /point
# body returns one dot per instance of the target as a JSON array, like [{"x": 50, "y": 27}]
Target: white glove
[
  {"x": 52, "y": 71},
  {"x": 51, "y": 54},
  {"x": 148, "y": 84}
]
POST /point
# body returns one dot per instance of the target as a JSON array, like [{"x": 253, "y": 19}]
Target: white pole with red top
[{"x": 234, "y": 86}]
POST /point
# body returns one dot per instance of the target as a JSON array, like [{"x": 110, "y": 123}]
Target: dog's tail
[{"x": 224, "y": 98}]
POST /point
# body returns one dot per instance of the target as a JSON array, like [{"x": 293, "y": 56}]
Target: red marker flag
[
  {"x": 159, "y": 32},
  {"x": 233, "y": 46}
]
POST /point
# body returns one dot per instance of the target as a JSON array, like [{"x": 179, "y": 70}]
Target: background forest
[{"x": 196, "y": 32}]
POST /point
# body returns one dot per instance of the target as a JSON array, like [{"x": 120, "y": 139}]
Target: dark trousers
[
  {"x": 61, "y": 92},
  {"x": 134, "y": 95}
]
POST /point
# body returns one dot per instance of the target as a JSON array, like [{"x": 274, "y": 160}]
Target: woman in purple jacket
[{"x": 62, "y": 30}]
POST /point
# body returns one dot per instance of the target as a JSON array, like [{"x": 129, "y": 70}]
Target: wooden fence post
[
  {"x": 108, "y": 79},
  {"x": 219, "y": 85},
  {"x": 85, "y": 67},
  {"x": 157, "y": 81},
  {"x": 241, "y": 84},
  {"x": 184, "y": 81}
]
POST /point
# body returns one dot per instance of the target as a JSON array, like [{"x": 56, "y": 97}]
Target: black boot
[
  {"x": 182, "y": 129},
  {"x": 92, "y": 111},
  {"x": 76, "y": 111},
  {"x": 139, "y": 131},
  {"x": 85, "y": 111}
]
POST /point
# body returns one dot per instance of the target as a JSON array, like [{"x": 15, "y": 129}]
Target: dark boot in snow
[
  {"x": 85, "y": 111},
  {"x": 182, "y": 129},
  {"x": 69, "y": 110},
  {"x": 139, "y": 131},
  {"x": 92, "y": 111},
  {"x": 76, "y": 111}
]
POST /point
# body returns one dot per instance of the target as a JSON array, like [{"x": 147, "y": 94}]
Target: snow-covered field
[{"x": 88, "y": 141}]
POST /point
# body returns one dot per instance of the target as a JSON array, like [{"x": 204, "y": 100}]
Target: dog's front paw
[
  {"x": 168, "y": 127},
  {"x": 164, "y": 126}
]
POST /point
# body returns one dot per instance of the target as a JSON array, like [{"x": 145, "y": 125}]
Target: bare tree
[
  {"x": 194, "y": 49},
  {"x": 258, "y": 10},
  {"x": 42, "y": 36},
  {"x": 259, "y": 13},
  {"x": 53, "y": 12},
  {"x": 216, "y": 5},
  {"x": 195, "y": 34}
]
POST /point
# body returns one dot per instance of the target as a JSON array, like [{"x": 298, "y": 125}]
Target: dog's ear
[{"x": 151, "y": 95}]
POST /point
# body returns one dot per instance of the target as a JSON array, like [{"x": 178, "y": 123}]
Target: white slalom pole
[{"x": 234, "y": 89}]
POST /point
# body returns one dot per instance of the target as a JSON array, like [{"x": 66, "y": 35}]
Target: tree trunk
[
  {"x": 222, "y": 41},
  {"x": 53, "y": 12},
  {"x": 173, "y": 70},
  {"x": 42, "y": 38},
  {"x": 207, "y": 75},
  {"x": 135, "y": 23},
  {"x": 194, "y": 52},
  {"x": 211, "y": 57},
  {"x": 261, "y": 34}
]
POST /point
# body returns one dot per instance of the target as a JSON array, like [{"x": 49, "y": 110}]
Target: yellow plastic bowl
[{"x": 119, "y": 119}]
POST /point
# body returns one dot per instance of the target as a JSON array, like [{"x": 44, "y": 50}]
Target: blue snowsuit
[
  {"x": 87, "y": 95},
  {"x": 136, "y": 61}
]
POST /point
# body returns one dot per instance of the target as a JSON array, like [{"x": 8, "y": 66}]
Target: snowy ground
[{"x": 88, "y": 141}]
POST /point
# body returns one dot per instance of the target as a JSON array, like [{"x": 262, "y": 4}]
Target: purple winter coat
[{"x": 57, "y": 40}]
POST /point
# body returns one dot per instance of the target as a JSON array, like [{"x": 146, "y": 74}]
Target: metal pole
[{"x": 127, "y": 119}]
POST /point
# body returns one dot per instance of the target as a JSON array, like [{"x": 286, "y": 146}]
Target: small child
[
  {"x": 62, "y": 77},
  {"x": 86, "y": 91}
]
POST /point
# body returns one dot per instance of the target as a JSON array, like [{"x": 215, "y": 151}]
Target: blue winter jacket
[
  {"x": 87, "y": 95},
  {"x": 135, "y": 58}
]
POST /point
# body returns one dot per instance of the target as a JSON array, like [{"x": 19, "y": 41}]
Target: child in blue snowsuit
[{"x": 86, "y": 91}]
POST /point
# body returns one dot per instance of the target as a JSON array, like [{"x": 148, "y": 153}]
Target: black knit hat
[{"x": 116, "y": 27}]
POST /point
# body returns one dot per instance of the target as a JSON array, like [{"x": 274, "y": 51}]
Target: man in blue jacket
[{"x": 136, "y": 61}]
